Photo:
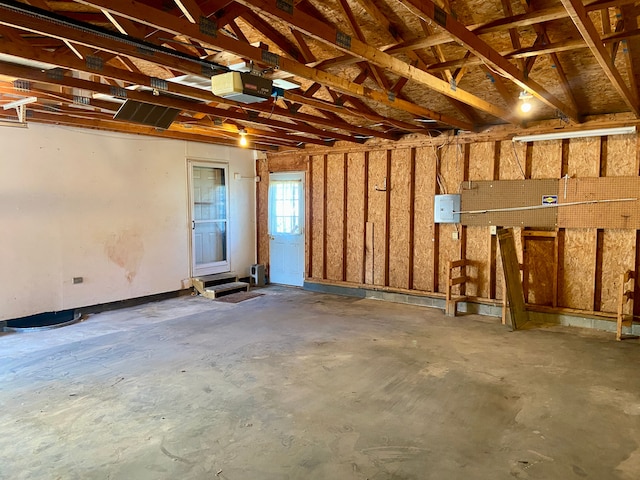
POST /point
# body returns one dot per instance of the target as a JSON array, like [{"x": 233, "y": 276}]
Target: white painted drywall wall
[{"x": 108, "y": 207}]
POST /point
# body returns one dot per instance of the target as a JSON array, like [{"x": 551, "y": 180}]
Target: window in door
[{"x": 209, "y": 220}]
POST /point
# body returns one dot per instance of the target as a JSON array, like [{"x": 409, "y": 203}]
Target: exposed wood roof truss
[{"x": 353, "y": 70}]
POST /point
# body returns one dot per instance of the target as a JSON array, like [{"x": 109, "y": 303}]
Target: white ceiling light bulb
[
  {"x": 243, "y": 137},
  {"x": 525, "y": 99}
]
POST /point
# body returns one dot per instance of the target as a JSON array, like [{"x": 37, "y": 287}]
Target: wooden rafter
[
  {"x": 329, "y": 35},
  {"x": 632, "y": 52},
  {"x": 587, "y": 29},
  {"x": 158, "y": 19},
  {"x": 34, "y": 74},
  {"x": 190, "y": 9},
  {"x": 488, "y": 54},
  {"x": 134, "y": 76},
  {"x": 372, "y": 86},
  {"x": 175, "y": 133},
  {"x": 513, "y": 32},
  {"x": 501, "y": 25}
]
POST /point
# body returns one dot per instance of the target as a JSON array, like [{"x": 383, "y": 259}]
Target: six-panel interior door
[
  {"x": 209, "y": 218},
  {"x": 286, "y": 228}
]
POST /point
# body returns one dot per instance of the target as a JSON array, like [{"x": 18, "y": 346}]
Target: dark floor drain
[{"x": 43, "y": 321}]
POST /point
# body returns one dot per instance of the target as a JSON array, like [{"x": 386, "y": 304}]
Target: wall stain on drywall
[{"x": 126, "y": 250}]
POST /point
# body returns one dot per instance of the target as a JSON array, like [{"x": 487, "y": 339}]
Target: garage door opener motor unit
[{"x": 242, "y": 87}]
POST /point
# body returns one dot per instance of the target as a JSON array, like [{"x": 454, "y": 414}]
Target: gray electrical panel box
[{"x": 444, "y": 208}]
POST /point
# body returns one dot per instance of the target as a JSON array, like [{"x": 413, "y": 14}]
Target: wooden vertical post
[
  {"x": 463, "y": 228},
  {"x": 558, "y": 248},
  {"x": 603, "y": 156},
  {"x": 493, "y": 243},
  {"x": 387, "y": 222},
  {"x": 597, "y": 291},
  {"x": 324, "y": 217},
  {"x": 365, "y": 196},
  {"x": 436, "y": 229},
  {"x": 564, "y": 166},
  {"x": 344, "y": 215},
  {"x": 310, "y": 217},
  {"x": 525, "y": 263},
  {"x": 528, "y": 160},
  {"x": 636, "y": 268},
  {"x": 513, "y": 284},
  {"x": 412, "y": 213}
]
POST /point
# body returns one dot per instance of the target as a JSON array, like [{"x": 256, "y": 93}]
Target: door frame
[
  {"x": 282, "y": 175},
  {"x": 215, "y": 267}
]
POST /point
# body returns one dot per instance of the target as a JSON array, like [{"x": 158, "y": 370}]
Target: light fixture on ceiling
[
  {"x": 599, "y": 132},
  {"x": 21, "y": 107},
  {"x": 243, "y": 137},
  {"x": 525, "y": 101}
]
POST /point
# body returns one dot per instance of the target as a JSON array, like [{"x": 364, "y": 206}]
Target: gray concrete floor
[{"x": 300, "y": 385}]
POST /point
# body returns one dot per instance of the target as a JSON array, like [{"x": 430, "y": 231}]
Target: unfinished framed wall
[{"x": 371, "y": 219}]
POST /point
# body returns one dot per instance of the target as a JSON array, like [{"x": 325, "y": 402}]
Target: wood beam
[
  {"x": 122, "y": 127},
  {"x": 108, "y": 71},
  {"x": 278, "y": 39},
  {"x": 325, "y": 106},
  {"x": 306, "y": 52},
  {"x": 190, "y": 9},
  {"x": 156, "y": 18},
  {"x": 513, "y": 32},
  {"x": 533, "y": 51},
  {"x": 331, "y": 36},
  {"x": 632, "y": 52},
  {"x": 487, "y": 53},
  {"x": 38, "y": 75},
  {"x": 500, "y": 25},
  {"x": 587, "y": 29}
]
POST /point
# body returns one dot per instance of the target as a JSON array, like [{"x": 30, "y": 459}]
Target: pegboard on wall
[
  {"x": 485, "y": 197},
  {"x": 615, "y": 214},
  {"x": 602, "y": 202}
]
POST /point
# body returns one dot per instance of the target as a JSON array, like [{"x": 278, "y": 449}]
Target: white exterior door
[
  {"x": 209, "y": 218},
  {"x": 286, "y": 228}
]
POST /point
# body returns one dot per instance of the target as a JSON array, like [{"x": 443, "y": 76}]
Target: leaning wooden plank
[{"x": 518, "y": 313}]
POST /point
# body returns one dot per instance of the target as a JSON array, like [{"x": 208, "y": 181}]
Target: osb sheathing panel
[
  {"x": 377, "y": 207},
  {"x": 289, "y": 163},
  {"x": 539, "y": 271},
  {"x": 546, "y": 159},
  {"x": 400, "y": 185},
  {"x": 355, "y": 217},
  {"x": 584, "y": 157},
  {"x": 512, "y": 159},
  {"x": 601, "y": 215},
  {"x": 451, "y": 169},
  {"x": 618, "y": 256},
  {"x": 478, "y": 248},
  {"x": 479, "y": 238},
  {"x": 335, "y": 215},
  {"x": 423, "y": 228},
  {"x": 622, "y": 157},
  {"x": 578, "y": 269},
  {"x": 262, "y": 187},
  {"x": 317, "y": 215},
  {"x": 480, "y": 160}
]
